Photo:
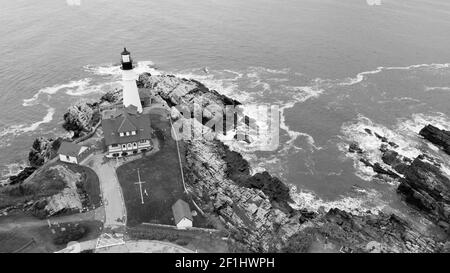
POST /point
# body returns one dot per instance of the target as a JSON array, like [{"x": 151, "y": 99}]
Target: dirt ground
[
  {"x": 21, "y": 232},
  {"x": 193, "y": 239}
]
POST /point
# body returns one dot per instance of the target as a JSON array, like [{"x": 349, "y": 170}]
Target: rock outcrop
[
  {"x": 246, "y": 211},
  {"x": 42, "y": 150},
  {"x": 238, "y": 170},
  {"x": 112, "y": 96},
  {"x": 341, "y": 231},
  {"x": 425, "y": 187},
  {"x": 255, "y": 209},
  {"x": 184, "y": 92},
  {"x": 20, "y": 177},
  {"x": 67, "y": 199},
  {"x": 80, "y": 117},
  {"x": 437, "y": 136}
]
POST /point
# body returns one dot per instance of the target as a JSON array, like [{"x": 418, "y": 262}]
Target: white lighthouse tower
[{"x": 129, "y": 77}]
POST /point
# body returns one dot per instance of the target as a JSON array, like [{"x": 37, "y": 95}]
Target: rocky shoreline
[
  {"x": 421, "y": 181},
  {"x": 255, "y": 209}
]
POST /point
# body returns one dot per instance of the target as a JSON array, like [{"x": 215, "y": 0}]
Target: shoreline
[{"x": 254, "y": 208}]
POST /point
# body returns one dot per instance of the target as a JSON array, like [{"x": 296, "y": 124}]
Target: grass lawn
[
  {"x": 12, "y": 241},
  {"x": 162, "y": 177}
]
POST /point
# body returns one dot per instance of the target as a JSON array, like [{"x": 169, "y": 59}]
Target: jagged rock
[
  {"x": 247, "y": 212},
  {"x": 354, "y": 148},
  {"x": 175, "y": 114},
  {"x": 437, "y": 136},
  {"x": 42, "y": 150},
  {"x": 368, "y": 131},
  {"x": 382, "y": 138},
  {"x": 66, "y": 200},
  {"x": 379, "y": 169},
  {"x": 397, "y": 162},
  {"x": 238, "y": 170},
  {"x": 79, "y": 117},
  {"x": 112, "y": 96},
  {"x": 343, "y": 230},
  {"x": 20, "y": 177},
  {"x": 425, "y": 187},
  {"x": 177, "y": 91}
]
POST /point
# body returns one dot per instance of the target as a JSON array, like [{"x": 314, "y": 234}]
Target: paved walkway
[
  {"x": 145, "y": 246},
  {"x": 115, "y": 211},
  {"x": 139, "y": 246},
  {"x": 11, "y": 223}
]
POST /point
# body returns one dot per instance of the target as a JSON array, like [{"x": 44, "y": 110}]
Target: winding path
[{"x": 115, "y": 211}]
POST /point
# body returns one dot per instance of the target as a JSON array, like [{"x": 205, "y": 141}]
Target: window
[
  {"x": 133, "y": 133},
  {"x": 121, "y": 134},
  {"x": 124, "y": 146},
  {"x": 134, "y": 145},
  {"x": 67, "y": 157},
  {"x": 114, "y": 145},
  {"x": 129, "y": 145},
  {"x": 128, "y": 133},
  {"x": 143, "y": 141}
]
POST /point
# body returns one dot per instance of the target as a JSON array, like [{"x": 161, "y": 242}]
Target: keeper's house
[
  {"x": 72, "y": 153},
  {"x": 126, "y": 132}
]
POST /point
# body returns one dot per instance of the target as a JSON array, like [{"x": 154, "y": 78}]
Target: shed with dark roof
[{"x": 182, "y": 214}]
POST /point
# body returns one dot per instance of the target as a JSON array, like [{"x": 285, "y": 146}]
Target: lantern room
[{"x": 127, "y": 62}]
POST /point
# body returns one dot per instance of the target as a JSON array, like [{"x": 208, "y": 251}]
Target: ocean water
[{"x": 334, "y": 67}]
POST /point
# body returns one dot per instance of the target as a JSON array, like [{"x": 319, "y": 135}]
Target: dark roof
[
  {"x": 125, "y": 121},
  {"x": 127, "y": 124},
  {"x": 69, "y": 148},
  {"x": 125, "y": 51},
  {"x": 181, "y": 210}
]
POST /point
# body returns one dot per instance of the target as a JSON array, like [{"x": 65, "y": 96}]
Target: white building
[
  {"x": 182, "y": 214},
  {"x": 129, "y": 77},
  {"x": 72, "y": 153}
]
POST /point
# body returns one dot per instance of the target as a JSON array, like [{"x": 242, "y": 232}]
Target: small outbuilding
[
  {"x": 72, "y": 153},
  {"x": 182, "y": 214}
]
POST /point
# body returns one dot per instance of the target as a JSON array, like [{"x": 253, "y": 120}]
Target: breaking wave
[
  {"x": 362, "y": 201},
  {"x": 80, "y": 84},
  {"x": 18, "y": 129},
  {"x": 361, "y": 76},
  {"x": 405, "y": 134}
]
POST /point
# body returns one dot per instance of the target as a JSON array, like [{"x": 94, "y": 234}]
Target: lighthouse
[{"x": 129, "y": 77}]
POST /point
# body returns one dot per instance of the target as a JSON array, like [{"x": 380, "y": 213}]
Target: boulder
[
  {"x": 425, "y": 187},
  {"x": 112, "y": 96},
  {"x": 393, "y": 159},
  {"x": 79, "y": 118},
  {"x": 344, "y": 231},
  {"x": 354, "y": 148},
  {"x": 437, "y": 136}
]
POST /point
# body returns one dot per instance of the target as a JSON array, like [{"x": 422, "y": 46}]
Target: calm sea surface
[{"x": 335, "y": 67}]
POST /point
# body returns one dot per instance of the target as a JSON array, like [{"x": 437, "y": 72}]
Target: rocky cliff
[
  {"x": 421, "y": 181},
  {"x": 42, "y": 150},
  {"x": 437, "y": 136},
  {"x": 255, "y": 208},
  {"x": 426, "y": 188},
  {"x": 81, "y": 117}
]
